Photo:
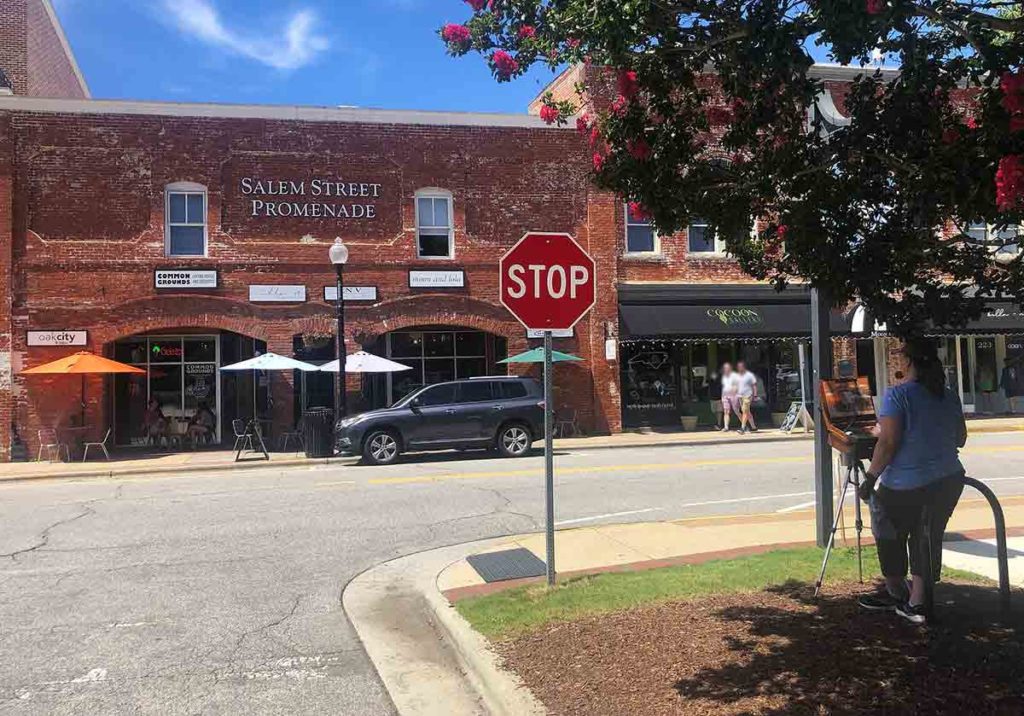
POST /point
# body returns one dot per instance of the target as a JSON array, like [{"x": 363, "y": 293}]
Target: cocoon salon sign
[{"x": 310, "y": 199}]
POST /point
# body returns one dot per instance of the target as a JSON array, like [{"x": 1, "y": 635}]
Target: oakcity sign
[
  {"x": 314, "y": 199},
  {"x": 57, "y": 338}
]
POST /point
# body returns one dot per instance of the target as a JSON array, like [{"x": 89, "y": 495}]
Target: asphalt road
[{"x": 220, "y": 593}]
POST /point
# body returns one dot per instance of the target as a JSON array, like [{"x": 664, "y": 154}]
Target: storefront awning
[
  {"x": 742, "y": 312},
  {"x": 1000, "y": 318}
]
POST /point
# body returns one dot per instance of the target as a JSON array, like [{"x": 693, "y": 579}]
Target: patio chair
[
  {"x": 50, "y": 442},
  {"x": 565, "y": 425},
  {"x": 289, "y": 435},
  {"x": 101, "y": 445},
  {"x": 243, "y": 437}
]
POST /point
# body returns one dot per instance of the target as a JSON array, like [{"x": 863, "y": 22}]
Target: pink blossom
[
  {"x": 619, "y": 106},
  {"x": 527, "y": 31},
  {"x": 505, "y": 65},
  {"x": 639, "y": 150},
  {"x": 628, "y": 84},
  {"x": 598, "y": 161},
  {"x": 456, "y": 34},
  {"x": 972, "y": 123},
  {"x": 583, "y": 123},
  {"x": 572, "y": 43},
  {"x": 781, "y": 232},
  {"x": 477, "y": 5},
  {"x": 549, "y": 114},
  {"x": 874, "y": 7},
  {"x": 639, "y": 212},
  {"x": 595, "y": 136},
  {"x": 1012, "y": 84},
  {"x": 1010, "y": 182}
]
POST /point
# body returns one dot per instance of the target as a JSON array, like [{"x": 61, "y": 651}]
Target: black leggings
[{"x": 897, "y": 523}]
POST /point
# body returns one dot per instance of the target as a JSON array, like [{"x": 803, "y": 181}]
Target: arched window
[
  {"x": 185, "y": 219},
  {"x": 435, "y": 226}
]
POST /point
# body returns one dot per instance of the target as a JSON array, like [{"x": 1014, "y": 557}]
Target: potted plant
[{"x": 689, "y": 422}]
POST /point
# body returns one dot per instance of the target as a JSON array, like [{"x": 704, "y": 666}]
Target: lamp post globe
[{"x": 338, "y": 255}]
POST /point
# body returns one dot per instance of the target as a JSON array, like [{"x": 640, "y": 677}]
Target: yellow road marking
[{"x": 648, "y": 467}]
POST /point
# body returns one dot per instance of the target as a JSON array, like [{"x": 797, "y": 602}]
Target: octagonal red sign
[{"x": 548, "y": 281}]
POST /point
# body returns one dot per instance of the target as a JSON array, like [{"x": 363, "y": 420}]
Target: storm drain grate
[{"x": 507, "y": 564}]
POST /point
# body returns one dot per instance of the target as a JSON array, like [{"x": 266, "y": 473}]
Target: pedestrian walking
[
  {"x": 746, "y": 394},
  {"x": 730, "y": 403},
  {"x": 916, "y": 464}
]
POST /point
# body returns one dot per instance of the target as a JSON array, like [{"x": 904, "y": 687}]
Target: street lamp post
[{"x": 339, "y": 257}]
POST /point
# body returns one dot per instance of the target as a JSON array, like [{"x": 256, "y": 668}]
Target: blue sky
[{"x": 369, "y": 53}]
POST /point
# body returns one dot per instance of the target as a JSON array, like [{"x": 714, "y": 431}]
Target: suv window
[
  {"x": 476, "y": 391},
  {"x": 510, "y": 389},
  {"x": 438, "y": 395}
]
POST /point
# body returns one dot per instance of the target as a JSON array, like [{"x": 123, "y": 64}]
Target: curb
[
  {"x": 214, "y": 467},
  {"x": 431, "y": 662},
  {"x": 310, "y": 462}
]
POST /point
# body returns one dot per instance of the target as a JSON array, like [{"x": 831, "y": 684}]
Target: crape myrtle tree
[{"x": 712, "y": 116}]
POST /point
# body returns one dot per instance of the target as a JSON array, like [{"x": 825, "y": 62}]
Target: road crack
[{"x": 44, "y": 536}]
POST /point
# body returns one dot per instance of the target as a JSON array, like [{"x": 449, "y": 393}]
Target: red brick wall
[
  {"x": 14, "y": 43},
  {"x": 32, "y": 54},
  {"x": 90, "y": 189},
  {"x": 51, "y": 73},
  {"x": 6, "y": 279}
]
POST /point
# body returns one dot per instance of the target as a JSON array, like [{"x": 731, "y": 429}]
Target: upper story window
[
  {"x": 702, "y": 240},
  {"x": 1003, "y": 242},
  {"x": 641, "y": 238},
  {"x": 435, "y": 235},
  {"x": 185, "y": 209}
]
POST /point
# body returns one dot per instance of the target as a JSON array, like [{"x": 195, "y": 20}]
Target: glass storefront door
[{"x": 181, "y": 375}]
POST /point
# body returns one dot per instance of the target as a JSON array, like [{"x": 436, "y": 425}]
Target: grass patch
[{"x": 524, "y": 609}]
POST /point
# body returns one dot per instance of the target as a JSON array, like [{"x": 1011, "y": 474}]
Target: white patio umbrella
[
  {"x": 271, "y": 361},
  {"x": 363, "y": 362}
]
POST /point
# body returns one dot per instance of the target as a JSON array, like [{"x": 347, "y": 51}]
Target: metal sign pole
[
  {"x": 549, "y": 460},
  {"x": 802, "y": 350}
]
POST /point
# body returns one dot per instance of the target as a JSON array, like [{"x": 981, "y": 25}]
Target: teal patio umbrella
[{"x": 537, "y": 356}]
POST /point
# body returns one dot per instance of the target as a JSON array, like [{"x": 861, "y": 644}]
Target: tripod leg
[
  {"x": 858, "y": 469},
  {"x": 835, "y": 528}
]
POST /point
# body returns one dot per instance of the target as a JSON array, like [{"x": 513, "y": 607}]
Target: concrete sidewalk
[
  {"x": 647, "y": 545},
  {"x": 429, "y": 657},
  {"x": 211, "y": 461}
]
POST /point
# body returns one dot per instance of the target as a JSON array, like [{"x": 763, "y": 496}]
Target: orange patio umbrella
[{"x": 83, "y": 364}]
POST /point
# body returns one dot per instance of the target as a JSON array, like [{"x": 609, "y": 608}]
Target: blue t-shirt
[{"x": 931, "y": 427}]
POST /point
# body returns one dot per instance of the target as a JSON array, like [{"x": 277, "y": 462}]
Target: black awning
[
  {"x": 718, "y": 311},
  {"x": 998, "y": 318}
]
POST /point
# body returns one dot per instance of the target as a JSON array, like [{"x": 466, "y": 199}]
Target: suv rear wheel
[
  {"x": 381, "y": 447},
  {"x": 514, "y": 440}
]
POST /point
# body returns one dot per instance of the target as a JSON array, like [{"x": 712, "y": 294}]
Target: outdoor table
[{"x": 75, "y": 435}]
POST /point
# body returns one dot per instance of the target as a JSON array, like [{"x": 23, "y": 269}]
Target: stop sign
[{"x": 547, "y": 281}]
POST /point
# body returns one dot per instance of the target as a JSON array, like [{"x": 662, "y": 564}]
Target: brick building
[{"x": 180, "y": 238}]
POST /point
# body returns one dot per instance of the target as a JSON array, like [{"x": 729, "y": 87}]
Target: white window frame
[
  {"x": 435, "y": 193},
  {"x": 186, "y": 187},
  {"x": 625, "y": 238},
  {"x": 991, "y": 235},
  {"x": 718, "y": 252}
]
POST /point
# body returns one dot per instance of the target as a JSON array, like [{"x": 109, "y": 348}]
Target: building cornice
[{"x": 352, "y": 115}]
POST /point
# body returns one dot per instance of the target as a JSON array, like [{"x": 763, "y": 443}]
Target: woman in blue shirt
[{"x": 916, "y": 464}]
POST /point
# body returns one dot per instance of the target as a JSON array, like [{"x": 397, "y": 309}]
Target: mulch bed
[{"x": 780, "y": 652}]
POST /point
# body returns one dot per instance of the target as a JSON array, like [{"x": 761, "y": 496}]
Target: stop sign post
[{"x": 547, "y": 281}]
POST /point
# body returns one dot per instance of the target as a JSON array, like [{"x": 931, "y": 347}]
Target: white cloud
[{"x": 297, "y": 46}]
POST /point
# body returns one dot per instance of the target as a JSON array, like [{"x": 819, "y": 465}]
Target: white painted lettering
[
  {"x": 537, "y": 270},
  {"x": 556, "y": 282},
  {"x": 515, "y": 275},
  {"x": 578, "y": 276}
]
